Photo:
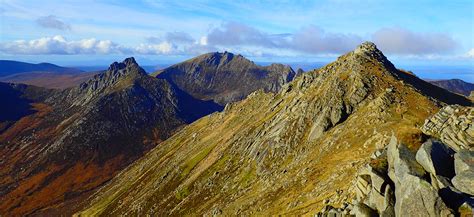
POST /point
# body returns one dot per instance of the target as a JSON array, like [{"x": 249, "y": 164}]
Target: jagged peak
[
  {"x": 128, "y": 62},
  {"x": 116, "y": 72}
]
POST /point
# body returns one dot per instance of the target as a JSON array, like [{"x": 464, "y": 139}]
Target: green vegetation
[
  {"x": 191, "y": 163},
  {"x": 182, "y": 192},
  {"x": 249, "y": 174}
]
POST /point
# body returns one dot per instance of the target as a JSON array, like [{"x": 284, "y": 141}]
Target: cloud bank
[
  {"x": 59, "y": 45},
  {"x": 233, "y": 36}
]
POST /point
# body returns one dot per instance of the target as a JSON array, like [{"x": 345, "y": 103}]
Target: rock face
[
  {"x": 285, "y": 153},
  {"x": 225, "y": 77},
  {"x": 79, "y": 138},
  {"x": 454, "y": 125}
]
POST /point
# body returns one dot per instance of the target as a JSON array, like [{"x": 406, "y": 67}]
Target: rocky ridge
[{"x": 280, "y": 153}]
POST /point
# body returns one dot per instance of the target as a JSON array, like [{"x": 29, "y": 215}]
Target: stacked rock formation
[
  {"x": 453, "y": 126},
  {"x": 437, "y": 179}
]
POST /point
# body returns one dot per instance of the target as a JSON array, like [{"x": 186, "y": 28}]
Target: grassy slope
[{"x": 257, "y": 156}]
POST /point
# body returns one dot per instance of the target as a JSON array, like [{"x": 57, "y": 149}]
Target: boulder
[
  {"x": 376, "y": 201},
  {"x": 362, "y": 210},
  {"x": 402, "y": 162},
  {"x": 416, "y": 197},
  {"x": 463, "y": 160},
  {"x": 436, "y": 158},
  {"x": 464, "y": 182}
]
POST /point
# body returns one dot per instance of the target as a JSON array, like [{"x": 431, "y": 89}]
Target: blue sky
[{"x": 97, "y": 32}]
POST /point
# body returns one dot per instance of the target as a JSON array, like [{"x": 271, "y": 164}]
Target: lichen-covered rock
[
  {"x": 402, "y": 163},
  {"x": 436, "y": 158},
  {"x": 463, "y": 160},
  {"x": 416, "y": 197},
  {"x": 453, "y": 125},
  {"x": 464, "y": 182}
]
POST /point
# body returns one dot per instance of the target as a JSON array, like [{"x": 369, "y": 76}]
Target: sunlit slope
[{"x": 279, "y": 153}]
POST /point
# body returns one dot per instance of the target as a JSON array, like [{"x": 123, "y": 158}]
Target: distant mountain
[
  {"x": 455, "y": 86},
  {"x": 286, "y": 153},
  {"x": 72, "y": 141},
  {"x": 225, "y": 77},
  {"x": 49, "y": 79},
  {"x": 43, "y": 74},
  {"x": 9, "y": 67}
]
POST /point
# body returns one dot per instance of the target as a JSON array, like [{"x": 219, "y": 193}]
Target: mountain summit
[
  {"x": 280, "y": 153},
  {"x": 225, "y": 77}
]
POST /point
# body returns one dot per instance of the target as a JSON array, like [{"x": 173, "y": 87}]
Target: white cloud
[
  {"x": 470, "y": 53},
  {"x": 52, "y": 22},
  {"x": 59, "y": 45},
  {"x": 203, "y": 40},
  {"x": 161, "y": 48}
]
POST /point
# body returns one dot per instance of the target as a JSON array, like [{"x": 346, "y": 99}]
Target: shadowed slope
[{"x": 81, "y": 137}]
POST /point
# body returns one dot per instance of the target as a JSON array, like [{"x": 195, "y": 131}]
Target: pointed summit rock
[
  {"x": 279, "y": 153},
  {"x": 225, "y": 77}
]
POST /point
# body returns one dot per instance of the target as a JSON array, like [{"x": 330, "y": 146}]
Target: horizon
[
  {"x": 90, "y": 33},
  {"x": 463, "y": 72}
]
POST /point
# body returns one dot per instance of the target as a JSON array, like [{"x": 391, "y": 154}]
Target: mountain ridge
[
  {"x": 455, "y": 85},
  {"x": 80, "y": 137},
  {"x": 43, "y": 74},
  {"x": 225, "y": 77},
  {"x": 279, "y": 153}
]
